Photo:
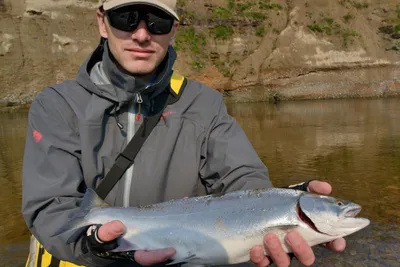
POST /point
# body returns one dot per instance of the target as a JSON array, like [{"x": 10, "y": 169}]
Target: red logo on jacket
[
  {"x": 168, "y": 113},
  {"x": 37, "y": 136}
]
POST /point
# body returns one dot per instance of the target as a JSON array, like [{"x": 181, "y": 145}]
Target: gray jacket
[{"x": 73, "y": 139}]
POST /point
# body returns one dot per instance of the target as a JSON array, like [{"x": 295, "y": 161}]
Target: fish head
[{"x": 329, "y": 215}]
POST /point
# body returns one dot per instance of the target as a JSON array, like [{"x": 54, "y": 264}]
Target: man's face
[{"x": 139, "y": 52}]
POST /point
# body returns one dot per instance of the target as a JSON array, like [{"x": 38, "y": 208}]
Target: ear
[
  {"x": 174, "y": 32},
  {"x": 101, "y": 20}
]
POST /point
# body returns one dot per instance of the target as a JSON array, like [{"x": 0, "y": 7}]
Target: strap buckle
[{"x": 123, "y": 162}]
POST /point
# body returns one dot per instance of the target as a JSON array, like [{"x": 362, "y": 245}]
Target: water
[
  {"x": 353, "y": 144},
  {"x": 13, "y": 232}
]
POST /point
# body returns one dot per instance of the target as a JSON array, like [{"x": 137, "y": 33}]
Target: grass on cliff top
[
  {"x": 326, "y": 25},
  {"x": 222, "y": 13},
  {"x": 329, "y": 27},
  {"x": 260, "y": 31},
  {"x": 267, "y": 5},
  {"x": 251, "y": 9},
  {"x": 359, "y": 5},
  {"x": 223, "y": 32},
  {"x": 197, "y": 64},
  {"x": 254, "y": 10},
  {"x": 189, "y": 38},
  {"x": 255, "y": 15},
  {"x": 348, "y": 17},
  {"x": 262, "y": 4},
  {"x": 355, "y": 4},
  {"x": 226, "y": 66},
  {"x": 390, "y": 29}
]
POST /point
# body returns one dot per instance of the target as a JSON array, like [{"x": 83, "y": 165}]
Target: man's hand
[
  {"x": 299, "y": 246},
  {"x": 112, "y": 230}
]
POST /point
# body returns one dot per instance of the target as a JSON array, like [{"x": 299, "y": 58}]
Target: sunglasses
[{"x": 127, "y": 19}]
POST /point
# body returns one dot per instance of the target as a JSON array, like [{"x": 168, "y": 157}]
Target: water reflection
[
  {"x": 353, "y": 144},
  {"x": 13, "y": 232}
]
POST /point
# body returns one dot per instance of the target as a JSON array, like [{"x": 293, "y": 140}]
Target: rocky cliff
[{"x": 251, "y": 50}]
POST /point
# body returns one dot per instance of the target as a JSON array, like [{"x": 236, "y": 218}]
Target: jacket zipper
[
  {"x": 133, "y": 115},
  {"x": 139, "y": 100}
]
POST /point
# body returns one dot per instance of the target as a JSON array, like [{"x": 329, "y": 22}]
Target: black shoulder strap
[
  {"x": 54, "y": 262},
  {"x": 125, "y": 159}
]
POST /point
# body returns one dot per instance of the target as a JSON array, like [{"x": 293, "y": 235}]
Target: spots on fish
[
  {"x": 258, "y": 193},
  {"x": 146, "y": 207},
  {"x": 250, "y": 208},
  {"x": 267, "y": 209},
  {"x": 220, "y": 225},
  {"x": 155, "y": 207}
]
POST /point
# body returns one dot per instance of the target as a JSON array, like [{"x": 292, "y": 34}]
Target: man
[{"x": 77, "y": 129}]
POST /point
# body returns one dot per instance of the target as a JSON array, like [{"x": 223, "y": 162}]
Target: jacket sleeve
[
  {"x": 52, "y": 180},
  {"x": 228, "y": 160}
]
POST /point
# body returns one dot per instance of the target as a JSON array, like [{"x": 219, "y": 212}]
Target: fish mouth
[
  {"x": 347, "y": 220},
  {"x": 351, "y": 212},
  {"x": 304, "y": 218}
]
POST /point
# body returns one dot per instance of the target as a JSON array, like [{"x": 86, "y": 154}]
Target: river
[{"x": 353, "y": 144}]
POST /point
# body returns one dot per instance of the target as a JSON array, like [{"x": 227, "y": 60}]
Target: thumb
[
  {"x": 319, "y": 187},
  {"x": 110, "y": 231}
]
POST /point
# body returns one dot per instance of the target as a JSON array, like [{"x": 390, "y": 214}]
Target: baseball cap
[{"x": 168, "y": 6}]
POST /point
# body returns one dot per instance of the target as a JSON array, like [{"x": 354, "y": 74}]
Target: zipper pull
[
  {"x": 120, "y": 126},
  {"x": 139, "y": 100}
]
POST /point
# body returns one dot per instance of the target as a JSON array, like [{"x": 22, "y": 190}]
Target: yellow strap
[
  {"x": 177, "y": 82},
  {"x": 46, "y": 259},
  {"x": 27, "y": 260}
]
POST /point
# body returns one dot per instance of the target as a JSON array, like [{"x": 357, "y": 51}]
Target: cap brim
[{"x": 115, "y": 4}]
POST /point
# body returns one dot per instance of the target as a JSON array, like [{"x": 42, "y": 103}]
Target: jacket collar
[{"x": 100, "y": 75}]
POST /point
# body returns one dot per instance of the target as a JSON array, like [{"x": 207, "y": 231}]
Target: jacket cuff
[
  {"x": 91, "y": 259},
  {"x": 301, "y": 186}
]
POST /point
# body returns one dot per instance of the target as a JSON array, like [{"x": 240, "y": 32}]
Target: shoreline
[
  {"x": 278, "y": 85},
  {"x": 253, "y": 94},
  {"x": 315, "y": 91}
]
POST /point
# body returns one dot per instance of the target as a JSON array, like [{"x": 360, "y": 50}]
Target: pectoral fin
[
  {"x": 193, "y": 265},
  {"x": 191, "y": 257}
]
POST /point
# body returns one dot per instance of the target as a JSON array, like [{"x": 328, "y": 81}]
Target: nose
[{"x": 141, "y": 34}]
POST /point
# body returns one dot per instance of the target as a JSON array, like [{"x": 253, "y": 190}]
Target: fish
[{"x": 221, "y": 229}]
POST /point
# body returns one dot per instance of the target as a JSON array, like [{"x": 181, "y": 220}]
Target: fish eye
[{"x": 340, "y": 203}]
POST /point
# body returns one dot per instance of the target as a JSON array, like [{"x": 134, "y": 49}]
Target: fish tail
[{"x": 78, "y": 223}]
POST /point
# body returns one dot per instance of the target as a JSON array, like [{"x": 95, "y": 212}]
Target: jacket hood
[{"x": 100, "y": 75}]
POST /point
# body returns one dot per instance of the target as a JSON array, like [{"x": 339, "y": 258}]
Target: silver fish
[{"x": 221, "y": 229}]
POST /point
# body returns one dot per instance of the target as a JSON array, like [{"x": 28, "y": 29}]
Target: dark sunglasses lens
[
  {"x": 124, "y": 20},
  {"x": 157, "y": 24}
]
